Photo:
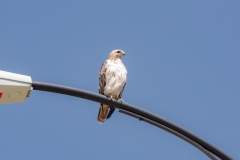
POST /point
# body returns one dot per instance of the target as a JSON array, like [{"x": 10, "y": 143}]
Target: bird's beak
[{"x": 123, "y": 53}]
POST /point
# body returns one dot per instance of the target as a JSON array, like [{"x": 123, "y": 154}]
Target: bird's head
[{"x": 118, "y": 53}]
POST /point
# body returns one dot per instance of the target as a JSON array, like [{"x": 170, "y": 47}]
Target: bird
[{"x": 112, "y": 80}]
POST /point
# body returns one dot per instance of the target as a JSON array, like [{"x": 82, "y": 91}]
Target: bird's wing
[
  {"x": 102, "y": 78},
  {"x": 103, "y": 110}
]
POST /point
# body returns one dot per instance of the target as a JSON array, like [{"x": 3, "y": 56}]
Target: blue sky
[{"x": 183, "y": 64}]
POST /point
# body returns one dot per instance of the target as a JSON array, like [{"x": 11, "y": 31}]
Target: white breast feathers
[{"x": 116, "y": 77}]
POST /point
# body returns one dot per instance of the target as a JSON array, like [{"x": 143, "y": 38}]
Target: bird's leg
[
  {"x": 121, "y": 100},
  {"x": 110, "y": 96}
]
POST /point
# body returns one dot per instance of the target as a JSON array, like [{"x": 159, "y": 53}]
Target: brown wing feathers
[
  {"x": 102, "y": 78},
  {"x": 103, "y": 111}
]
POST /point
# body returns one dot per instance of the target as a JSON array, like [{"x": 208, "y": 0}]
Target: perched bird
[{"x": 112, "y": 80}]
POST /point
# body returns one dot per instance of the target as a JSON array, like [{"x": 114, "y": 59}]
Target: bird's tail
[
  {"x": 103, "y": 112},
  {"x": 112, "y": 109}
]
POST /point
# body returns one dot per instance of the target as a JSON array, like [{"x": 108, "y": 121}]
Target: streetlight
[{"x": 16, "y": 88}]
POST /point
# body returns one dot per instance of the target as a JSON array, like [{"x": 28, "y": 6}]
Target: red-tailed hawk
[{"x": 112, "y": 80}]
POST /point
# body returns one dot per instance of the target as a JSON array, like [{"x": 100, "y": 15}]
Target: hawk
[{"x": 112, "y": 80}]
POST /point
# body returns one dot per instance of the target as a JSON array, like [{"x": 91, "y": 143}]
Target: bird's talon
[
  {"x": 121, "y": 100},
  {"x": 111, "y": 97}
]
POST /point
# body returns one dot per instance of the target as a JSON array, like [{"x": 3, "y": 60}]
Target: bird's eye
[{"x": 118, "y": 51}]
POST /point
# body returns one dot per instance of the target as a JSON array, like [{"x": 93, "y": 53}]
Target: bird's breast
[{"x": 116, "y": 77}]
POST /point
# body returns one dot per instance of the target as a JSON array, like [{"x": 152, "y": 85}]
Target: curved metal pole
[
  {"x": 138, "y": 113},
  {"x": 206, "y": 152}
]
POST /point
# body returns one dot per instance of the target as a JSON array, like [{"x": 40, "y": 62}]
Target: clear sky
[{"x": 183, "y": 64}]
